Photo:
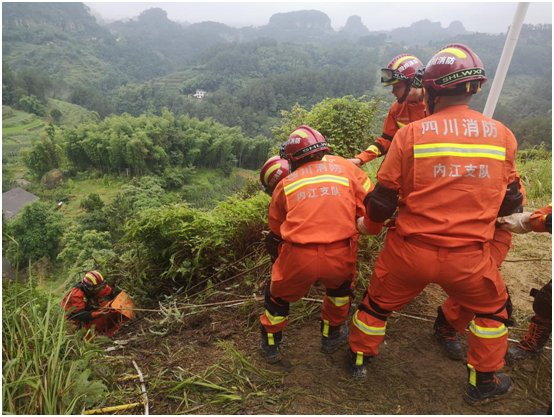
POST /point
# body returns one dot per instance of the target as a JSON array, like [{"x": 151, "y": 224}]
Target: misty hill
[
  {"x": 425, "y": 31},
  {"x": 58, "y": 50}
]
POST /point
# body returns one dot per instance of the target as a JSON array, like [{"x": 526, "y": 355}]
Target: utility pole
[{"x": 505, "y": 58}]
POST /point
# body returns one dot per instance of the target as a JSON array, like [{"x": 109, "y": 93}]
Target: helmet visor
[{"x": 388, "y": 76}]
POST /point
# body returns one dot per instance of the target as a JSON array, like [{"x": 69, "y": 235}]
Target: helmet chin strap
[
  {"x": 430, "y": 96},
  {"x": 408, "y": 85}
]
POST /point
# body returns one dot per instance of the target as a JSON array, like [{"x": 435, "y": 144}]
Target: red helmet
[
  {"x": 93, "y": 281},
  {"x": 402, "y": 67},
  {"x": 302, "y": 142},
  {"x": 273, "y": 171},
  {"x": 453, "y": 65}
]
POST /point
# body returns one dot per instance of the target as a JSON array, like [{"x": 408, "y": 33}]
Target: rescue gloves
[
  {"x": 381, "y": 203},
  {"x": 515, "y": 223},
  {"x": 272, "y": 242}
]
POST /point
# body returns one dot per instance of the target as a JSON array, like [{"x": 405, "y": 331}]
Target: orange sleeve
[
  {"x": 390, "y": 172},
  {"x": 73, "y": 301},
  {"x": 277, "y": 209},
  {"x": 383, "y": 142},
  {"x": 538, "y": 218},
  {"x": 362, "y": 186}
]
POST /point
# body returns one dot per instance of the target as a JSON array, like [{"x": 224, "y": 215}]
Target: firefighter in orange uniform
[
  {"x": 450, "y": 175},
  {"x": 408, "y": 107},
  {"x": 83, "y": 305},
  {"x": 312, "y": 218},
  {"x": 540, "y": 328}
]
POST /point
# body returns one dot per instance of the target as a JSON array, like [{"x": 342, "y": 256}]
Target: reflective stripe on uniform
[
  {"x": 339, "y": 301},
  {"x": 374, "y": 149},
  {"x": 359, "y": 358},
  {"x": 274, "y": 320},
  {"x": 270, "y": 339},
  {"x": 429, "y": 150},
  {"x": 472, "y": 375},
  {"x": 369, "y": 330},
  {"x": 294, "y": 186},
  {"x": 367, "y": 185},
  {"x": 325, "y": 331},
  {"x": 400, "y": 125},
  {"x": 488, "y": 332}
]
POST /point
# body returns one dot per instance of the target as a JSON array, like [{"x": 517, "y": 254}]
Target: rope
[
  {"x": 142, "y": 387},
  {"x": 529, "y": 260}
]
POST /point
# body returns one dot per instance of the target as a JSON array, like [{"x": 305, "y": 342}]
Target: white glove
[
  {"x": 516, "y": 223},
  {"x": 360, "y": 225}
]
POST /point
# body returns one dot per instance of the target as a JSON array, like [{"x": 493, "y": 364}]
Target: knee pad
[
  {"x": 542, "y": 303},
  {"x": 373, "y": 309},
  {"x": 275, "y": 305},
  {"x": 508, "y": 322},
  {"x": 342, "y": 291}
]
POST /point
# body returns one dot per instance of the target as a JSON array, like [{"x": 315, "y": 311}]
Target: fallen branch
[
  {"x": 143, "y": 388},
  {"x": 105, "y": 410}
]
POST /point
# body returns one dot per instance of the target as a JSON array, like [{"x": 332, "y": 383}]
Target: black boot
[
  {"x": 357, "y": 364},
  {"x": 533, "y": 342},
  {"x": 447, "y": 337},
  {"x": 484, "y": 387},
  {"x": 270, "y": 346},
  {"x": 333, "y": 337}
]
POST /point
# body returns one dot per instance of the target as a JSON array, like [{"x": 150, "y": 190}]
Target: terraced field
[{"x": 18, "y": 129}]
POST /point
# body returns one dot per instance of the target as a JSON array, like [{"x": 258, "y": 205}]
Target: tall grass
[
  {"x": 45, "y": 370},
  {"x": 535, "y": 169}
]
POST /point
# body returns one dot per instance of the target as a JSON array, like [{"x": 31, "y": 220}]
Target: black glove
[{"x": 272, "y": 242}]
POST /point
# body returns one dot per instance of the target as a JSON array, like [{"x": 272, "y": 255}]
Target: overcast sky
[{"x": 475, "y": 16}]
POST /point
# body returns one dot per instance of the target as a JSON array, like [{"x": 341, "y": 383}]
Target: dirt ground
[{"x": 410, "y": 376}]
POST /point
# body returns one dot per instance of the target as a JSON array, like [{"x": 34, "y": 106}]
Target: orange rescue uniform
[
  {"x": 399, "y": 116},
  {"x": 451, "y": 171},
  {"x": 314, "y": 211},
  {"x": 539, "y": 219},
  {"x": 79, "y": 307}
]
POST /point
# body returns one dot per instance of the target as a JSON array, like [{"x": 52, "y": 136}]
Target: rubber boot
[
  {"x": 270, "y": 346},
  {"x": 533, "y": 342},
  {"x": 447, "y": 337},
  {"x": 484, "y": 387},
  {"x": 357, "y": 364},
  {"x": 333, "y": 337}
]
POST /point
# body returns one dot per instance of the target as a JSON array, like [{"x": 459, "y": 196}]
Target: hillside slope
[{"x": 205, "y": 360}]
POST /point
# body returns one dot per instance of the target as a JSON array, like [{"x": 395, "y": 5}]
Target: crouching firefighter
[
  {"x": 86, "y": 305},
  {"x": 313, "y": 238}
]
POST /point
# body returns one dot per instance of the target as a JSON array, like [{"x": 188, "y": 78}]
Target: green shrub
[
  {"x": 178, "y": 246},
  {"x": 92, "y": 202},
  {"x": 37, "y": 231}
]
